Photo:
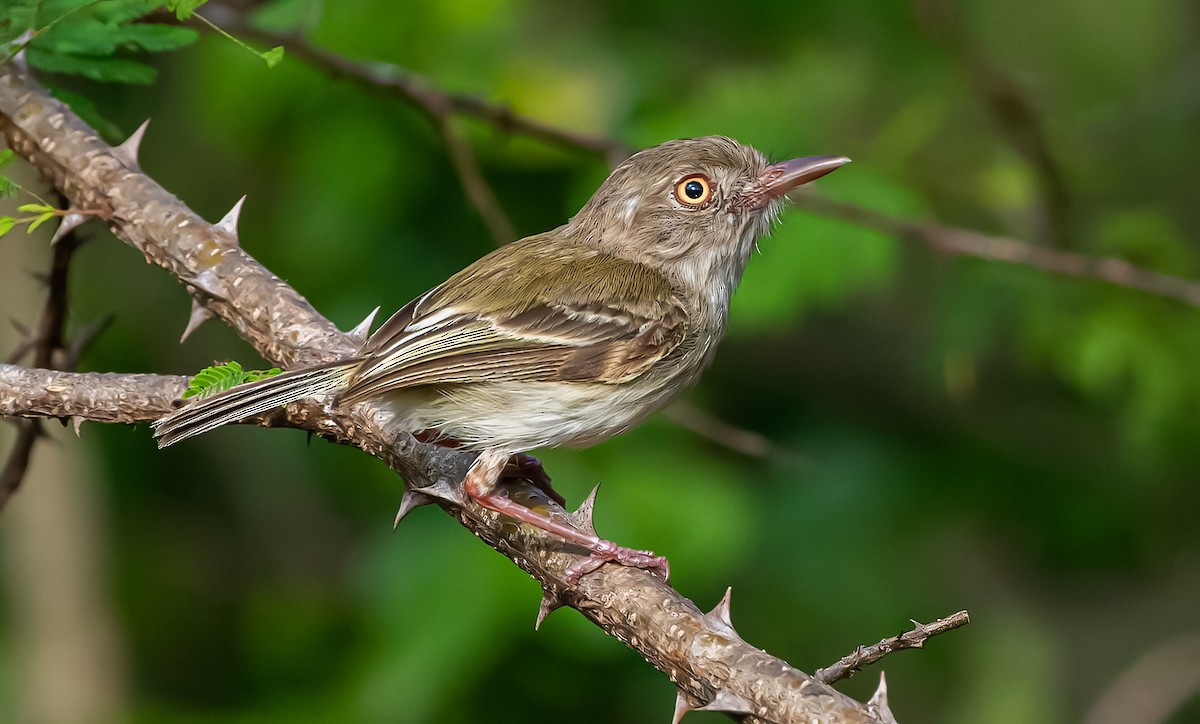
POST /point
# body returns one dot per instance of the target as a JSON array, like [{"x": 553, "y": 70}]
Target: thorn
[
  {"x": 582, "y": 518},
  {"x": 78, "y": 423},
  {"x": 22, "y": 42},
  {"x": 363, "y": 330},
  {"x": 682, "y": 706},
  {"x": 69, "y": 223},
  {"x": 412, "y": 499},
  {"x": 200, "y": 315},
  {"x": 718, "y": 619},
  {"x": 879, "y": 701},
  {"x": 550, "y": 603},
  {"x": 127, "y": 152},
  {"x": 208, "y": 283},
  {"x": 727, "y": 702},
  {"x": 229, "y": 224},
  {"x": 444, "y": 490}
]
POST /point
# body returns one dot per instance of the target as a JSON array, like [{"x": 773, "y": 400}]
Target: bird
[{"x": 563, "y": 338}]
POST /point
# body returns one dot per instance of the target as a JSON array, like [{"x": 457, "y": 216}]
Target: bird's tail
[{"x": 251, "y": 399}]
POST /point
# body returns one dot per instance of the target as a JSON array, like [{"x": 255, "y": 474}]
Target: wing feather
[{"x": 607, "y": 320}]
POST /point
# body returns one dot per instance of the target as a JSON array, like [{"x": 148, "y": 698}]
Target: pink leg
[{"x": 480, "y": 485}]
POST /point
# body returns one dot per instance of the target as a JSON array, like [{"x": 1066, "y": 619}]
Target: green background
[{"x": 945, "y": 433}]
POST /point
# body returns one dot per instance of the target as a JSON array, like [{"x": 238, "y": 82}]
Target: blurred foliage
[{"x": 948, "y": 433}]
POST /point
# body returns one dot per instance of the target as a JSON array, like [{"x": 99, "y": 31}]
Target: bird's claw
[{"x": 606, "y": 551}]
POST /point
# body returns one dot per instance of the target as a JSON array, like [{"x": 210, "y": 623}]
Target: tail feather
[{"x": 251, "y": 399}]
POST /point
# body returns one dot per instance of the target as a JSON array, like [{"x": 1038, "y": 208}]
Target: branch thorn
[
  {"x": 550, "y": 603},
  {"x": 22, "y": 42},
  {"x": 445, "y": 490},
  {"x": 208, "y": 283},
  {"x": 718, "y": 618},
  {"x": 582, "y": 518},
  {"x": 878, "y": 703},
  {"x": 682, "y": 706},
  {"x": 229, "y": 224},
  {"x": 127, "y": 152},
  {"x": 69, "y": 223},
  {"x": 200, "y": 314},
  {"x": 411, "y": 499},
  {"x": 727, "y": 702},
  {"x": 363, "y": 329}
]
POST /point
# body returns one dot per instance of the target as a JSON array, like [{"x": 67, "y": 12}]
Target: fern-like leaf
[{"x": 218, "y": 378}]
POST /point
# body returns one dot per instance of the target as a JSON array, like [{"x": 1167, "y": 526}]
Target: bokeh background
[{"x": 941, "y": 433}]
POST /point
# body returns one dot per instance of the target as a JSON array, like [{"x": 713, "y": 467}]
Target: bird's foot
[
  {"x": 605, "y": 551},
  {"x": 524, "y": 466},
  {"x": 480, "y": 485}
]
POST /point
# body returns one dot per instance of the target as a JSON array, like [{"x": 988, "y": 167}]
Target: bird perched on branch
[{"x": 563, "y": 338}]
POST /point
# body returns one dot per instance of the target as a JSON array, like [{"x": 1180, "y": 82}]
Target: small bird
[{"x": 568, "y": 337}]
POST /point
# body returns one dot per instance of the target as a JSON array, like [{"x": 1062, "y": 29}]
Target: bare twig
[
  {"x": 418, "y": 91},
  {"x": 867, "y": 655},
  {"x": 1015, "y": 114},
  {"x": 712, "y": 428},
  {"x": 964, "y": 242},
  {"x": 17, "y": 463},
  {"x": 45, "y": 343},
  {"x": 479, "y": 191}
]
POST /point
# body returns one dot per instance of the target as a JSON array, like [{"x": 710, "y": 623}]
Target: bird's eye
[{"x": 694, "y": 190}]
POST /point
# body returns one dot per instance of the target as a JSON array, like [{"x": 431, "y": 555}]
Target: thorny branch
[
  {"x": 853, "y": 662},
  {"x": 701, "y": 653}
]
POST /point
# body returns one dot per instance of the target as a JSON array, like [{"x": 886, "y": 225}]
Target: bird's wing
[{"x": 575, "y": 315}]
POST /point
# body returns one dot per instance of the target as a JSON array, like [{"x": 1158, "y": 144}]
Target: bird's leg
[
  {"x": 521, "y": 466},
  {"x": 480, "y": 484},
  {"x": 524, "y": 466}
]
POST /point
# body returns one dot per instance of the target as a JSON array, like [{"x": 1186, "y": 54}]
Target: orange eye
[{"x": 694, "y": 190}]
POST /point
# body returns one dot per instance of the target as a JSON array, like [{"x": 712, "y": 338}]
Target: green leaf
[
  {"x": 6, "y": 224},
  {"x": 272, "y": 56},
  {"x": 6, "y": 155},
  {"x": 256, "y": 375},
  {"x": 8, "y": 187},
  {"x": 16, "y": 16},
  {"x": 83, "y": 38},
  {"x": 109, "y": 70},
  {"x": 35, "y": 208},
  {"x": 218, "y": 378},
  {"x": 183, "y": 9},
  {"x": 155, "y": 38},
  {"x": 40, "y": 220}
]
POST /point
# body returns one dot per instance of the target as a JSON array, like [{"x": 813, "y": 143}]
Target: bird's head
[{"x": 693, "y": 208}]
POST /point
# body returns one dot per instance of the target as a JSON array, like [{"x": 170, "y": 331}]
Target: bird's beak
[{"x": 780, "y": 178}]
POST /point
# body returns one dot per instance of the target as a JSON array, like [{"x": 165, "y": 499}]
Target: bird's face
[{"x": 694, "y": 208}]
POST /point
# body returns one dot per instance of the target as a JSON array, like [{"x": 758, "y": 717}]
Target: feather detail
[
  {"x": 251, "y": 399},
  {"x": 574, "y": 315}
]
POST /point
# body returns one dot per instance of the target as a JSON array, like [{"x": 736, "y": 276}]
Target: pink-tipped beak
[{"x": 780, "y": 178}]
